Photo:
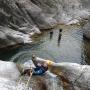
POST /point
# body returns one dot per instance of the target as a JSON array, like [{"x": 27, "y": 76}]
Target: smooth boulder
[{"x": 9, "y": 70}]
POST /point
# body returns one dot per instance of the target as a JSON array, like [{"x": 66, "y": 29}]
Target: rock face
[
  {"x": 86, "y": 30},
  {"x": 28, "y": 16},
  {"x": 19, "y": 19},
  {"x": 10, "y": 37},
  {"x": 76, "y": 75},
  {"x": 87, "y": 33}
]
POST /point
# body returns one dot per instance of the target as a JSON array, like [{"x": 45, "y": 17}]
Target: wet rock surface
[
  {"x": 86, "y": 30},
  {"x": 46, "y": 82},
  {"x": 9, "y": 70}
]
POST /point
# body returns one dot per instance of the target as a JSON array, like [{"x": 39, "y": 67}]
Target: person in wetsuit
[
  {"x": 38, "y": 70},
  {"x": 59, "y": 36}
]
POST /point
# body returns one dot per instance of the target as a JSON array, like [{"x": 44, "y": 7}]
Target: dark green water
[{"x": 70, "y": 47}]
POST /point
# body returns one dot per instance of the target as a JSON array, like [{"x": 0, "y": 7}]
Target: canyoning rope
[
  {"x": 27, "y": 84},
  {"x": 20, "y": 78},
  {"x": 19, "y": 82}
]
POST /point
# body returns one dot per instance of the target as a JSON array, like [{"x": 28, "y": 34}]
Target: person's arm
[{"x": 34, "y": 60}]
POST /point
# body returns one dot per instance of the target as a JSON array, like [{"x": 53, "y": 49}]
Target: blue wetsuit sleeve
[{"x": 39, "y": 71}]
